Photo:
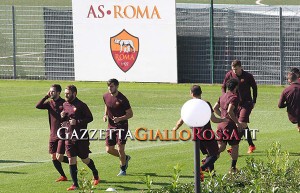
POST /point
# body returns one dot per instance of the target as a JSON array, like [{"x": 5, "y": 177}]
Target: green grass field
[{"x": 25, "y": 165}]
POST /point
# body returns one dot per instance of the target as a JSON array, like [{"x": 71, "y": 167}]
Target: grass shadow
[
  {"x": 12, "y": 172},
  {"x": 294, "y": 154},
  {"x": 15, "y": 161},
  {"x": 156, "y": 175}
]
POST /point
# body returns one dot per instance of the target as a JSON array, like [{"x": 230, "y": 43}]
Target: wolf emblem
[{"x": 125, "y": 45}]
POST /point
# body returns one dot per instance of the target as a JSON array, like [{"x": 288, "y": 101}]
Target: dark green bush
[{"x": 276, "y": 175}]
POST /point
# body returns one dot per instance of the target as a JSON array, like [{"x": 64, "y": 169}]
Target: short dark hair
[
  {"x": 232, "y": 83},
  {"x": 296, "y": 71},
  {"x": 236, "y": 63},
  {"x": 57, "y": 87},
  {"x": 292, "y": 76},
  {"x": 72, "y": 88},
  {"x": 113, "y": 80},
  {"x": 196, "y": 90}
]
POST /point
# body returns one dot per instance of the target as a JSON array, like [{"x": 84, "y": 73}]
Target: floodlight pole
[{"x": 197, "y": 176}]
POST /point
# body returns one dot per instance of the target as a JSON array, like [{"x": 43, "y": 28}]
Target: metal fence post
[
  {"x": 14, "y": 42},
  {"x": 211, "y": 29},
  {"x": 281, "y": 47}
]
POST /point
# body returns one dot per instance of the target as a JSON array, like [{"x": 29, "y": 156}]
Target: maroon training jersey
[
  {"x": 54, "y": 109},
  {"x": 290, "y": 98},
  {"x": 79, "y": 111},
  {"x": 224, "y": 101},
  {"x": 116, "y": 107},
  {"x": 246, "y": 81}
]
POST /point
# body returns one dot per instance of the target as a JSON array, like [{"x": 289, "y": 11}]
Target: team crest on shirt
[
  {"x": 117, "y": 103},
  {"x": 242, "y": 80},
  {"x": 124, "y": 48}
]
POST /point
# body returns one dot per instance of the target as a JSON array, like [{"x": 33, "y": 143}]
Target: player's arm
[
  {"x": 217, "y": 109},
  {"x": 232, "y": 116},
  {"x": 282, "y": 101},
  {"x": 178, "y": 124},
  {"x": 223, "y": 88},
  {"x": 128, "y": 115},
  {"x": 105, "y": 113},
  {"x": 215, "y": 119},
  {"x": 128, "y": 112},
  {"x": 254, "y": 89},
  {"x": 42, "y": 104}
]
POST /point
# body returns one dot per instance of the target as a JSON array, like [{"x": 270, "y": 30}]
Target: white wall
[{"x": 96, "y": 22}]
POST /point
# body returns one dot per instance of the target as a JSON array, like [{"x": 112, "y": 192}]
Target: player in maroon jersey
[
  {"x": 297, "y": 72},
  {"x": 76, "y": 115},
  {"x": 246, "y": 102},
  {"x": 117, "y": 111},
  {"x": 227, "y": 107},
  {"x": 290, "y": 98},
  {"x": 209, "y": 145},
  {"x": 56, "y": 145}
]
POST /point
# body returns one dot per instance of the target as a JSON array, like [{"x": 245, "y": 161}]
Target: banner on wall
[{"x": 127, "y": 40}]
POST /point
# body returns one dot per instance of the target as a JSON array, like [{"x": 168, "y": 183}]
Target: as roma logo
[{"x": 124, "y": 49}]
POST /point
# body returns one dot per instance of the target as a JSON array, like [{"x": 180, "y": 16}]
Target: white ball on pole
[{"x": 195, "y": 113}]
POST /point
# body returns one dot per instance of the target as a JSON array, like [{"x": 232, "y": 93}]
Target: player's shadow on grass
[
  {"x": 123, "y": 182},
  {"x": 121, "y": 188},
  {"x": 256, "y": 153},
  {"x": 157, "y": 175},
  {"x": 16, "y": 161},
  {"x": 294, "y": 154},
  {"x": 12, "y": 172},
  {"x": 115, "y": 183}
]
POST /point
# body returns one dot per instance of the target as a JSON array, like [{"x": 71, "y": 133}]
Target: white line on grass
[
  {"x": 101, "y": 152},
  {"x": 258, "y": 2}
]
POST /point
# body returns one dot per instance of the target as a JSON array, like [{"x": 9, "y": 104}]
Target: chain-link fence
[
  {"x": 266, "y": 39},
  {"x": 37, "y": 42}
]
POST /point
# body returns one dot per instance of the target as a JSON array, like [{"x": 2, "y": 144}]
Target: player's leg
[
  {"x": 112, "y": 150},
  {"x": 111, "y": 142},
  {"x": 73, "y": 173},
  {"x": 61, "y": 151},
  {"x": 234, "y": 157},
  {"x": 234, "y": 143},
  {"x": 247, "y": 134},
  {"x": 212, "y": 150},
  {"x": 222, "y": 146},
  {"x": 53, "y": 148},
  {"x": 124, "y": 159},
  {"x": 72, "y": 156},
  {"x": 244, "y": 114},
  {"x": 299, "y": 126},
  {"x": 62, "y": 158},
  {"x": 83, "y": 153},
  {"x": 204, "y": 152}
]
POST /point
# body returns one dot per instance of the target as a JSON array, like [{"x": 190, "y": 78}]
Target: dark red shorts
[
  {"x": 208, "y": 144},
  {"x": 209, "y": 147},
  {"x": 57, "y": 146},
  {"x": 80, "y": 148},
  {"x": 244, "y": 111},
  {"x": 113, "y": 136},
  {"x": 228, "y": 133},
  {"x": 294, "y": 118}
]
